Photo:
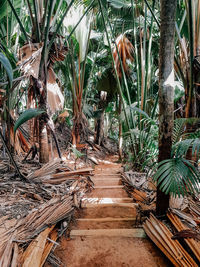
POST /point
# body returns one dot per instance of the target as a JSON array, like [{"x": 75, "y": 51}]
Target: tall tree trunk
[
  {"x": 120, "y": 130},
  {"x": 166, "y": 91},
  {"x": 100, "y": 121},
  {"x": 43, "y": 137},
  {"x": 100, "y": 129}
]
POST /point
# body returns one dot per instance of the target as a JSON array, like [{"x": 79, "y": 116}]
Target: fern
[{"x": 177, "y": 176}]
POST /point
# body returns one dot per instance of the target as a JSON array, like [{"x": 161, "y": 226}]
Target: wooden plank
[
  {"x": 69, "y": 173},
  {"x": 107, "y": 219},
  {"x": 129, "y": 233},
  {"x": 95, "y": 205},
  {"x": 106, "y": 179},
  {"x": 109, "y": 187},
  {"x": 107, "y": 175},
  {"x": 107, "y": 200}
]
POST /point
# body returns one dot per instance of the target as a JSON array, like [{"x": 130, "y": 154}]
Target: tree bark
[
  {"x": 100, "y": 129},
  {"x": 100, "y": 121},
  {"x": 43, "y": 143},
  {"x": 43, "y": 137},
  {"x": 166, "y": 91},
  {"x": 120, "y": 130}
]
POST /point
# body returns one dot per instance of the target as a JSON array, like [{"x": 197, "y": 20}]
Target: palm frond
[
  {"x": 18, "y": 20},
  {"x": 118, "y": 4},
  {"x": 181, "y": 148},
  {"x": 7, "y": 66},
  {"x": 177, "y": 176},
  {"x": 180, "y": 127},
  {"x": 125, "y": 52}
]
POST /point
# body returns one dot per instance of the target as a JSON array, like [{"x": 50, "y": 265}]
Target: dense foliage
[{"x": 101, "y": 58}]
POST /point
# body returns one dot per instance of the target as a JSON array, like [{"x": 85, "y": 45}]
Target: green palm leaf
[
  {"x": 7, "y": 66},
  {"x": 181, "y": 148},
  {"x": 177, "y": 176},
  {"x": 27, "y": 115}
]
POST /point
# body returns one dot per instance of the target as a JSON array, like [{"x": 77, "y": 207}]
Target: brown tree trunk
[
  {"x": 43, "y": 143},
  {"x": 100, "y": 129},
  {"x": 120, "y": 130},
  {"x": 43, "y": 137},
  {"x": 166, "y": 91}
]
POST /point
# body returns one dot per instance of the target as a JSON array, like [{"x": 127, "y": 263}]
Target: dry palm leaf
[
  {"x": 55, "y": 98},
  {"x": 27, "y": 228},
  {"x": 180, "y": 226},
  {"x": 187, "y": 233},
  {"x": 162, "y": 237},
  {"x": 18, "y": 141},
  {"x": 32, "y": 257},
  {"x": 30, "y": 56},
  {"x": 125, "y": 49}
]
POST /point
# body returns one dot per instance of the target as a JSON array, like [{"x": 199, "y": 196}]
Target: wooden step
[
  {"x": 104, "y": 171},
  {"x": 107, "y": 219},
  {"x": 109, "y": 187},
  {"x": 115, "y": 210},
  {"x": 108, "y": 193},
  {"x": 94, "y": 205},
  {"x": 130, "y": 233},
  {"x": 107, "y": 175},
  {"x": 106, "y": 182},
  {"x": 105, "y": 223},
  {"x": 104, "y": 178},
  {"x": 107, "y": 200}
]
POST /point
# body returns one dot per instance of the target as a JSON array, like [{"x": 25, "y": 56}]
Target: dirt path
[{"x": 104, "y": 234}]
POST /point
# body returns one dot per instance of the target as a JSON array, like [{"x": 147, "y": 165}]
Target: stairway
[{"x": 104, "y": 233}]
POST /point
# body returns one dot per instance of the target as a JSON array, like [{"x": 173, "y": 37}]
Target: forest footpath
[{"x": 105, "y": 232}]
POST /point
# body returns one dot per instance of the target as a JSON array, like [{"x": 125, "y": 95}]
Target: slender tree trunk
[
  {"x": 166, "y": 91},
  {"x": 100, "y": 129},
  {"x": 197, "y": 86},
  {"x": 43, "y": 137},
  {"x": 100, "y": 121},
  {"x": 43, "y": 143},
  {"x": 120, "y": 130}
]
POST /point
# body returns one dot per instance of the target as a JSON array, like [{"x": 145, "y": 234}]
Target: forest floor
[{"x": 104, "y": 233}]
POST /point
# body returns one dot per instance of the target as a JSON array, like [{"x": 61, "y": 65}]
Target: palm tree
[
  {"x": 166, "y": 91},
  {"x": 37, "y": 57},
  {"x": 77, "y": 64},
  {"x": 123, "y": 55}
]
